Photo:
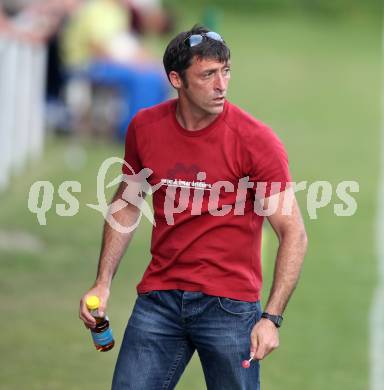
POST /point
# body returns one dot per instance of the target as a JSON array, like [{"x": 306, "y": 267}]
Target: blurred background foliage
[
  {"x": 329, "y": 8},
  {"x": 309, "y": 69}
]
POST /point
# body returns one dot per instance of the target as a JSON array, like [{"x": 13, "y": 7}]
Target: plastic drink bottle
[{"x": 102, "y": 333}]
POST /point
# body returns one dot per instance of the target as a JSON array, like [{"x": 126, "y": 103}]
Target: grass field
[{"x": 316, "y": 82}]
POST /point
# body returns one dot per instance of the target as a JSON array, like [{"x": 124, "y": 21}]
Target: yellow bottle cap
[{"x": 92, "y": 302}]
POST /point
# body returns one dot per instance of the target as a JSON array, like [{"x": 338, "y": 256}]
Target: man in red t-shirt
[{"x": 216, "y": 172}]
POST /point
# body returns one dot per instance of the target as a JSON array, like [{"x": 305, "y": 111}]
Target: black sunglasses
[{"x": 196, "y": 39}]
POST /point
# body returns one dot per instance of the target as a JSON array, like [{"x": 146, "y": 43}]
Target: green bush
[{"x": 326, "y": 7}]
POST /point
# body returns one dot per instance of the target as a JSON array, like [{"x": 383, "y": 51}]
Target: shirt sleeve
[
  {"x": 131, "y": 155},
  {"x": 267, "y": 163}
]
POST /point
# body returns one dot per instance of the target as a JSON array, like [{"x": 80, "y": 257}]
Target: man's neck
[{"x": 191, "y": 117}]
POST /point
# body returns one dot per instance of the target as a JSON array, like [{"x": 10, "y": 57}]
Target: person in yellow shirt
[
  {"x": 92, "y": 30},
  {"x": 97, "y": 42}
]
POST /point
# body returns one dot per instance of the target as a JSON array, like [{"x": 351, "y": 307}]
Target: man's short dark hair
[{"x": 178, "y": 54}]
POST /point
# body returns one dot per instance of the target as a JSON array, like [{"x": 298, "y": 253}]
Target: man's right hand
[{"x": 101, "y": 291}]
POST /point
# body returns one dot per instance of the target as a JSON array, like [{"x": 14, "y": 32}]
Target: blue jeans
[{"x": 167, "y": 326}]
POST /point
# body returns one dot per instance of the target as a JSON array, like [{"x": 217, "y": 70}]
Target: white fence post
[
  {"x": 22, "y": 90},
  {"x": 38, "y": 103},
  {"x": 3, "y": 139},
  {"x": 22, "y": 102},
  {"x": 8, "y": 103}
]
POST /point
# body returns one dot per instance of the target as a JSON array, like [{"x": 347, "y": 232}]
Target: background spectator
[{"x": 100, "y": 47}]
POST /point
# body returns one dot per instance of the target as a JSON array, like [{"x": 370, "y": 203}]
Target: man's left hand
[{"x": 264, "y": 339}]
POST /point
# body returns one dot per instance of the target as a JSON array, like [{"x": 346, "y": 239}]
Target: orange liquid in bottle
[
  {"x": 102, "y": 325},
  {"x": 101, "y": 333}
]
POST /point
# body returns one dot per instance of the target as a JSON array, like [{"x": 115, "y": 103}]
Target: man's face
[{"x": 207, "y": 84}]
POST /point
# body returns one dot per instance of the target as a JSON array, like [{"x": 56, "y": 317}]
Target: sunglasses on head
[{"x": 196, "y": 39}]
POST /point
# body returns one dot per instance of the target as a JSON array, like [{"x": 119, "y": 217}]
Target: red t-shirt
[{"x": 192, "y": 249}]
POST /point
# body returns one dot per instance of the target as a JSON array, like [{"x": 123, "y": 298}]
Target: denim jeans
[{"x": 167, "y": 326}]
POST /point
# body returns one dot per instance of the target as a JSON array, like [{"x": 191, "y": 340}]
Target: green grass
[{"x": 316, "y": 82}]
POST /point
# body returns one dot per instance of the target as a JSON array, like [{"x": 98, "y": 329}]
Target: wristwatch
[{"x": 276, "y": 319}]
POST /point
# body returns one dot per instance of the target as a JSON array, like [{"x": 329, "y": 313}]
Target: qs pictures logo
[{"x": 319, "y": 195}]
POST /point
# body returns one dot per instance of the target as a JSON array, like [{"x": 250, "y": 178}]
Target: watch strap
[{"x": 276, "y": 319}]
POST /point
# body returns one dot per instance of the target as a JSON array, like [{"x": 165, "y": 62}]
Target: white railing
[{"x": 22, "y": 89}]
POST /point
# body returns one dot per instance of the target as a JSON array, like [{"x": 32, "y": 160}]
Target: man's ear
[{"x": 175, "y": 79}]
